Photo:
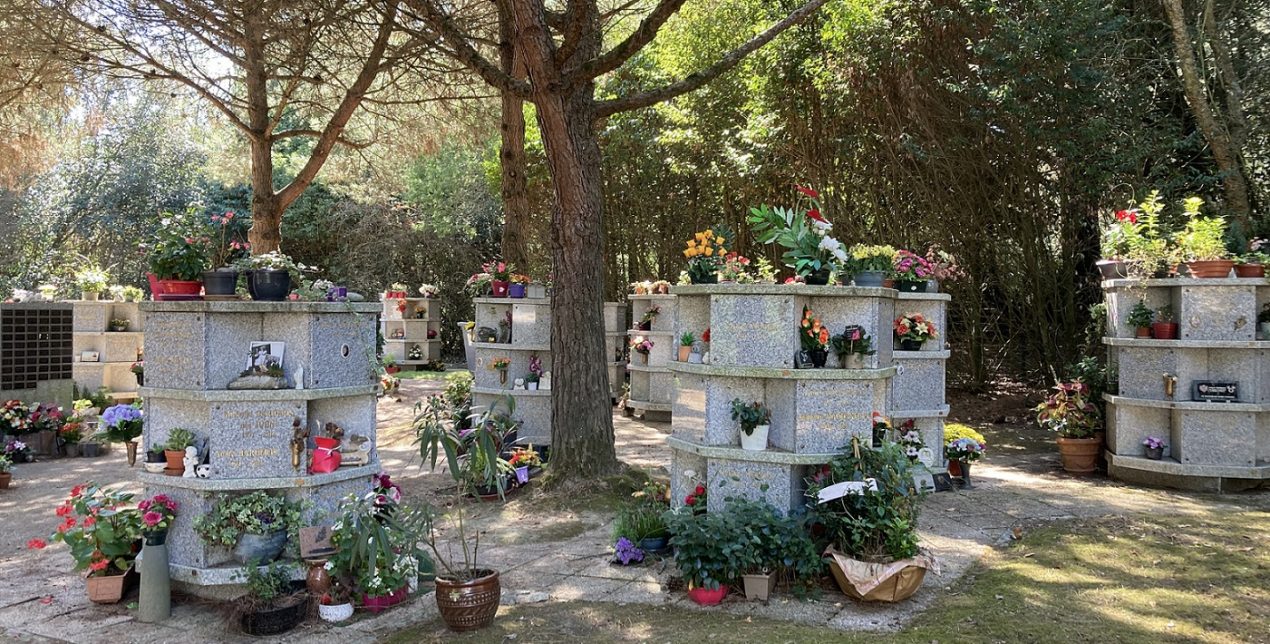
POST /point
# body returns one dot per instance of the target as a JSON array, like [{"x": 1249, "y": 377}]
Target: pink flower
[
  {"x": 151, "y": 519},
  {"x": 36, "y": 544}
]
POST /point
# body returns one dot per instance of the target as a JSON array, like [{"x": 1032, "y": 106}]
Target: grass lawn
[
  {"x": 407, "y": 374},
  {"x": 1139, "y": 579}
]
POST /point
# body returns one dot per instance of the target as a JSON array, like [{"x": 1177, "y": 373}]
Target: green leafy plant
[
  {"x": 1069, "y": 411},
  {"x": 707, "y": 551},
  {"x": 750, "y": 415},
  {"x": 1203, "y": 238},
  {"x": 1165, "y": 314},
  {"x": 377, "y": 551},
  {"x": 92, "y": 279},
  {"x": 1150, "y": 251},
  {"x": 255, "y": 513},
  {"x": 687, "y": 339},
  {"x": 852, "y": 340},
  {"x": 1140, "y": 315},
  {"x": 179, "y": 251},
  {"x": 640, "y": 520},
  {"x": 480, "y": 444},
  {"x": 179, "y": 439},
  {"x": 776, "y": 544},
  {"x": 875, "y": 526},
  {"x": 802, "y": 231},
  {"x": 102, "y": 534}
]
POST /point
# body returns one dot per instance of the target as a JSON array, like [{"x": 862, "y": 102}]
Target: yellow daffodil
[{"x": 718, "y": 240}]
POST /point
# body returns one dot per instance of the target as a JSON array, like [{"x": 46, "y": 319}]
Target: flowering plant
[
  {"x": 706, "y": 252},
  {"x": 654, "y": 492},
  {"x": 805, "y": 234},
  {"x": 82, "y": 405},
  {"x": 696, "y": 499},
  {"x": 910, "y": 439},
  {"x": 813, "y": 335},
  {"x": 92, "y": 279},
  {"x": 100, "y": 533},
  {"x": 1121, "y": 234},
  {"x": 522, "y": 279},
  {"x": 1068, "y": 411},
  {"x": 627, "y": 552},
  {"x": 964, "y": 449},
  {"x": 46, "y": 417},
  {"x": 386, "y": 491},
  {"x": 911, "y": 267},
  {"x": 943, "y": 264},
  {"x": 15, "y": 418},
  {"x": 853, "y": 339},
  {"x": 535, "y": 365},
  {"x": 735, "y": 268},
  {"x": 1152, "y": 442},
  {"x": 640, "y": 344},
  {"x": 123, "y": 423},
  {"x": 138, "y": 367},
  {"x": 914, "y": 326},
  {"x": 71, "y": 433},
  {"x": 479, "y": 284},
  {"x": 179, "y": 251},
  {"x": 274, "y": 261},
  {"x": 872, "y": 258},
  {"x": 429, "y": 290},
  {"x": 522, "y": 457},
  {"x": 500, "y": 271},
  {"x": 157, "y": 513},
  {"x": 17, "y": 451},
  {"x": 500, "y": 363},
  {"x": 6, "y": 463},
  {"x": 229, "y": 246},
  {"x": 642, "y": 288},
  {"x": 650, "y": 315}
]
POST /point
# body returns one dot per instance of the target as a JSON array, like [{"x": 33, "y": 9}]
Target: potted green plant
[
  {"x": 6, "y": 473},
  {"x": 390, "y": 363},
  {"x": 912, "y": 330},
  {"x": 641, "y": 523},
  {"x": 376, "y": 551},
  {"x": 92, "y": 281},
  {"x": 1150, "y": 252},
  {"x": 177, "y": 258},
  {"x": 472, "y": 447},
  {"x": 852, "y": 346},
  {"x": 866, "y": 505},
  {"x": 706, "y": 550},
  {"x": 257, "y": 525},
  {"x": 1140, "y": 318},
  {"x": 179, "y": 438},
  {"x": 270, "y": 275},
  {"x": 1119, "y": 237},
  {"x": 229, "y": 246},
  {"x": 754, "y": 419},
  {"x": 773, "y": 547},
  {"x": 102, "y": 534},
  {"x": 1165, "y": 325},
  {"x": 685, "y": 345},
  {"x": 1069, "y": 412},
  {"x": 273, "y": 604},
  {"x": 871, "y": 265},
  {"x": 1252, "y": 263},
  {"x": 118, "y": 325},
  {"x": 1202, "y": 243},
  {"x": 804, "y": 233}
]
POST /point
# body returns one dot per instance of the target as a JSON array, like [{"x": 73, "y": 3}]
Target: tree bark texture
[
  {"x": 266, "y": 218},
  {"x": 511, "y": 155}
]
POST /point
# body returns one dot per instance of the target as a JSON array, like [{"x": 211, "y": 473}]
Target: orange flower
[{"x": 99, "y": 565}]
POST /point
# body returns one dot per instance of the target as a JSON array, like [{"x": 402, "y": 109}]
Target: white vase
[
  {"x": 336, "y": 612},
  {"x": 531, "y": 386},
  {"x": 756, "y": 441}
]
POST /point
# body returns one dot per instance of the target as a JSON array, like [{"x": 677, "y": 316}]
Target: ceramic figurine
[
  {"x": 191, "y": 462},
  {"x": 299, "y": 376},
  {"x": 204, "y": 471},
  {"x": 518, "y": 384},
  {"x": 544, "y": 381}
]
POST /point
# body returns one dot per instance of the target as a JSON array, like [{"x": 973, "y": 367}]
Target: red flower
[
  {"x": 705, "y": 337},
  {"x": 690, "y": 500},
  {"x": 815, "y": 214},
  {"x": 807, "y": 191},
  {"x": 37, "y": 544},
  {"x": 63, "y": 510},
  {"x": 701, "y": 489},
  {"x": 99, "y": 565},
  {"x": 89, "y": 521},
  {"x": 76, "y": 490}
]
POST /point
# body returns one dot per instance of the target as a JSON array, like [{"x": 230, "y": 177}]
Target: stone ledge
[
  {"x": 946, "y": 297},
  {"x": 535, "y": 301},
  {"x": 738, "y": 454},
  {"x": 224, "y": 575},
  {"x": 260, "y": 307},
  {"x": 644, "y": 405},
  {"x": 635, "y": 332},
  {"x": 1172, "y": 467},
  {"x": 110, "y": 333},
  {"x": 502, "y": 346},
  {"x": 1187, "y": 281},
  {"x": 514, "y": 393},
  {"x": 650, "y": 297},
  {"x": 255, "y": 395},
  {"x": 921, "y": 355},
  {"x": 264, "y": 483},
  {"x": 631, "y": 366},
  {"x": 784, "y": 289},
  {"x": 942, "y": 412},
  {"x": 412, "y": 340},
  {"x": 1148, "y": 343},
  {"x": 1186, "y": 405},
  {"x": 780, "y": 373}
]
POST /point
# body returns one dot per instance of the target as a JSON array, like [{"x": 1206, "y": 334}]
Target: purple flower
[
  {"x": 117, "y": 414},
  {"x": 628, "y": 553}
]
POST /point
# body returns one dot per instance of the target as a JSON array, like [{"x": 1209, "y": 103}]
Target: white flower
[
  {"x": 830, "y": 244},
  {"x": 822, "y": 226}
]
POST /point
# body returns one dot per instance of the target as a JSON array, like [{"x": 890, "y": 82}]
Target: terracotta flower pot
[
  {"x": 707, "y": 597},
  {"x": 1142, "y": 332},
  {"x": 1164, "y": 330},
  {"x": 111, "y": 588},
  {"x": 5, "y": 478},
  {"x": 684, "y": 352},
  {"x": 175, "y": 460},
  {"x": 1080, "y": 455},
  {"x": 469, "y": 605},
  {"x": 1215, "y": 268},
  {"x": 180, "y": 287},
  {"x": 1250, "y": 270}
]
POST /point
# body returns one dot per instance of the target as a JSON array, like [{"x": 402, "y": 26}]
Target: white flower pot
[
  {"x": 756, "y": 441},
  {"x": 335, "y": 612}
]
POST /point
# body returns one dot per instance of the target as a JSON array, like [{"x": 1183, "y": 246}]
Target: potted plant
[
  {"x": 138, "y": 369},
  {"x": 174, "y": 450},
  {"x": 1202, "y": 244},
  {"x": 467, "y": 593},
  {"x": 430, "y": 291},
  {"x": 123, "y": 425},
  {"x": 92, "y": 282},
  {"x": 734, "y": 269},
  {"x": 177, "y": 258},
  {"x": 335, "y": 605},
  {"x": 1069, "y": 412},
  {"x": 754, "y": 419},
  {"x": 519, "y": 285},
  {"x": 522, "y": 461},
  {"x": 270, "y": 275},
  {"x": 101, "y": 534},
  {"x": 500, "y": 274},
  {"x": 646, "y": 320},
  {"x": 535, "y": 372},
  {"x": 955, "y": 431},
  {"x": 228, "y": 248},
  {"x": 15, "y": 418},
  {"x": 774, "y": 547},
  {"x": 118, "y": 325},
  {"x": 705, "y": 547},
  {"x": 1153, "y": 447},
  {"x": 376, "y": 552},
  {"x": 390, "y": 363},
  {"x": 705, "y": 253},
  {"x": 964, "y": 451},
  {"x": 6, "y": 474},
  {"x": 814, "y": 339},
  {"x": 17, "y": 451},
  {"x": 1140, "y": 318},
  {"x": 472, "y": 442},
  {"x": 256, "y": 525},
  {"x": 685, "y": 345},
  {"x": 273, "y": 603},
  {"x": 804, "y": 233},
  {"x": 642, "y": 346},
  {"x": 1253, "y": 263},
  {"x": 911, "y": 272},
  {"x": 943, "y": 266},
  {"x": 626, "y": 553},
  {"x": 871, "y": 529},
  {"x": 912, "y": 330},
  {"x": 1119, "y": 237},
  {"x": 851, "y": 346},
  {"x": 155, "y": 461},
  {"x": 1165, "y": 325},
  {"x": 500, "y": 365},
  {"x": 131, "y": 294},
  {"x": 69, "y": 435},
  {"x": 871, "y": 265}
]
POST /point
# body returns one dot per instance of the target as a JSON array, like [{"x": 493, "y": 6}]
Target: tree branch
[
  {"x": 637, "y": 40},
  {"x": 701, "y": 77},
  {"x": 462, "y": 50}
]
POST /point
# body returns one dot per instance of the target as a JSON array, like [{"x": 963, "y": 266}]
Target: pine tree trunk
[
  {"x": 266, "y": 215},
  {"x": 511, "y": 155}
]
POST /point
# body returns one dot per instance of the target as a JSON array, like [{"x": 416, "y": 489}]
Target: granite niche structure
[
  {"x": 195, "y": 349},
  {"x": 815, "y": 412},
  {"x": 651, "y": 381},
  {"x": 1206, "y": 393},
  {"x": 412, "y": 330},
  {"x": 115, "y": 351}
]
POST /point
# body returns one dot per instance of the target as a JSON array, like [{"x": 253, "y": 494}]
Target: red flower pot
[
  {"x": 1164, "y": 330},
  {"x": 707, "y": 597},
  {"x": 381, "y": 603},
  {"x": 499, "y": 288},
  {"x": 1250, "y": 270}
]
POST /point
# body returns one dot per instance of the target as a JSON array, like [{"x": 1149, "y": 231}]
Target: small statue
[
  {"x": 298, "y": 436},
  {"x": 334, "y": 431},
  {"x": 191, "y": 462}
]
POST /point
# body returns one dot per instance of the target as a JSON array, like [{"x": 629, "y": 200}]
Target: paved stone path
[{"x": 555, "y": 555}]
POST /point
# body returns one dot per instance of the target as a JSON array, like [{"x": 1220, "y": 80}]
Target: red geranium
[
  {"x": 815, "y": 214},
  {"x": 807, "y": 191}
]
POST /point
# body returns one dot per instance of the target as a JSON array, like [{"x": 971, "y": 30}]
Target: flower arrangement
[
  {"x": 123, "y": 423},
  {"x": 522, "y": 457},
  {"x": 522, "y": 279},
  {"x": 803, "y": 232},
  {"x": 17, "y": 451},
  {"x": 15, "y": 418},
  {"x": 735, "y": 268},
  {"x": 696, "y": 499},
  {"x": 881, "y": 425},
  {"x": 499, "y": 364},
  {"x": 498, "y": 271},
  {"x": 1153, "y": 442},
  {"x": 99, "y": 531},
  {"x": 1068, "y": 411},
  {"x": 46, "y": 417},
  {"x": 910, "y": 439},
  {"x": 71, "y": 433},
  {"x": 943, "y": 264},
  {"x": 229, "y": 247},
  {"x": 646, "y": 320},
  {"x": 641, "y": 344},
  {"x": 911, "y": 267},
  {"x": 872, "y": 258},
  {"x": 179, "y": 250},
  {"x": 415, "y": 352},
  {"x": 964, "y": 449},
  {"x": 1121, "y": 234},
  {"x": 914, "y": 327},
  {"x": 813, "y": 335},
  {"x": 953, "y": 431},
  {"x": 479, "y": 284},
  {"x": 386, "y": 491},
  {"x": 628, "y": 553},
  {"x": 535, "y": 368},
  {"x": 661, "y": 287},
  {"x": 429, "y": 290},
  {"x": 92, "y": 279},
  {"x": 138, "y": 368},
  {"x": 706, "y": 252},
  {"x": 852, "y": 340},
  {"x": 750, "y": 415},
  {"x": 6, "y": 463},
  {"x": 157, "y": 513},
  {"x": 642, "y": 288}
]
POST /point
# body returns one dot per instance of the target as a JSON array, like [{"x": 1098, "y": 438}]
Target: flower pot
[
  {"x": 110, "y": 589},
  {"x": 220, "y": 282},
  {"x": 819, "y": 278},
  {"x": 1164, "y": 330},
  {"x": 141, "y": 379},
  {"x": 759, "y": 587},
  {"x": 536, "y": 291},
  {"x": 522, "y": 475},
  {"x": 498, "y": 288},
  {"x": 878, "y": 582},
  {"x": 155, "y": 537},
  {"x": 259, "y": 548},
  {"x": 653, "y": 544},
  {"x": 131, "y": 446},
  {"x": 1154, "y": 453},
  {"x": 392, "y": 369},
  {"x": 910, "y": 286},
  {"x": 908, "y": 344},
  {"x": 185, "y": 288},
  {"x": 869, "y": 278},
  {"x": 853, "y": 361},
  {"x": 646, "y": 325},
  {"x": 118, "y": 328},
  {"x": 963, "y": 466},
  {"x": 1079, "y": 455},
  {"x": 469, "y": 605},
  {"x": 531, "y": 386},
  {"x": 516, "y": 290},
  {"x": 1142, "y": 332},
  {"x": 712, "y": 278},
  {"x": 1113, "y": 269},
  {"x": 335, "y": 612},
  {"x": 1214, "y": 268},
  {"x": 269, "y": 285},
  {"x": 818, "y": 358},
  {"x": 707, "y": 597},
  {"x": 684, "y": 352},
  {"x": 89, "y": 296},
  {"x": 317, "y": 580},
  {"x": 5, "y": 479},
  {"x": 72, "y": 450},
  {"x": 756, "y": 440},
  {"x": 1250, "y": 270},
  {"x": 643, "y": 358},
  {"x": 954, "y": 469},
  {"x": 273, "y": 621},
  {"x": 175, "y": 460}
]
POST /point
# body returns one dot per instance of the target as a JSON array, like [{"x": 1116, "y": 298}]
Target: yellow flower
[
  {"x": 691, "y": 243},
  {"x": 718, "y": 240},
  {"x": 688, "y": 253},
  {"x": 709, "y": 252},
  {"x": 709, "y": 233}
]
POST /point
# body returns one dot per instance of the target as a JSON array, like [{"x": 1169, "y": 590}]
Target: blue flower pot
[
  {"x": 516, "y": 290},
  {"x": 870, "y": 278},
  {"x": 652, "y": 544}
]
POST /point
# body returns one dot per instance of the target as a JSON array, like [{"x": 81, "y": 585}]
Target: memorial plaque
[
  {"x": 253, "y": 440},
  {"x": 1210, "y": 391}
]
